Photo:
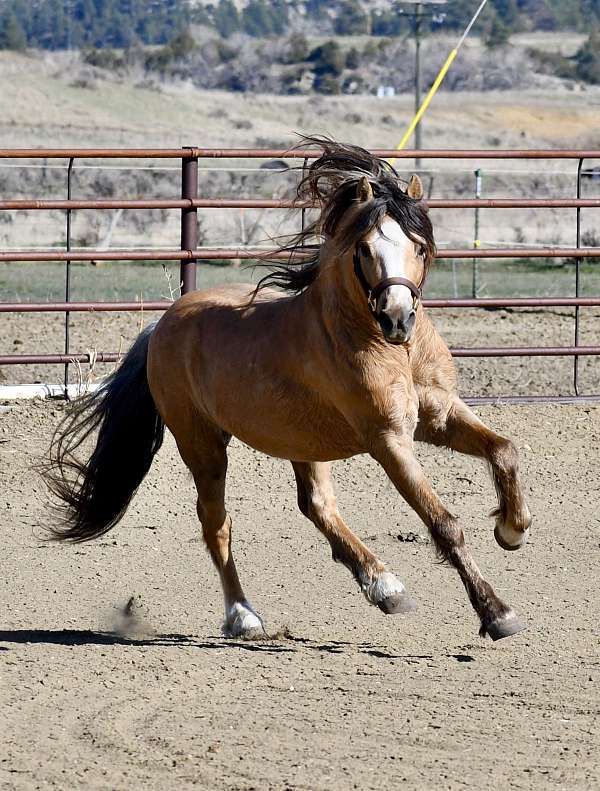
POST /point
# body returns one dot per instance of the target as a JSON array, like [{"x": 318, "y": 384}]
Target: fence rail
[
  {"x": 257, "y": 253},
  {"x": 190, "y": 152},
  {"x": 250, "y": 203},
  {"x": 189, "y": 253}
]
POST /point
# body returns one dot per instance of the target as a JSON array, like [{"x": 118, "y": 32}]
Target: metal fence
[{"x": 189, "y": 253}]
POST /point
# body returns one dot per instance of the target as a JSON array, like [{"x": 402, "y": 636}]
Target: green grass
[{"x": 38, "y": 282}]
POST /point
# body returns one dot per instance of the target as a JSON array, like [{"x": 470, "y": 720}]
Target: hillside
[
  {"x": 50, "y": 100},
  {"x": 65, "y": 24}
]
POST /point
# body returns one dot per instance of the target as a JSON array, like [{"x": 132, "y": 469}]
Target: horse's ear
[
  {"x": 364, "y": 191},
  {"x": 415, "y": 187}
]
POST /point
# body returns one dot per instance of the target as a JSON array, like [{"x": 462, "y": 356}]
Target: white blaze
[{"x": 394, "y": 247}]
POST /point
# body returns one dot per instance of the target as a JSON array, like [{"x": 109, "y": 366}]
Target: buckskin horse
[{"x": 342, "y": 359}]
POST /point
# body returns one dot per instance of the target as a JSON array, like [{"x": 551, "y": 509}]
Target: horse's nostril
[
  {"x": 407, "y": 325},
  {"x": 385, "y": 322}
]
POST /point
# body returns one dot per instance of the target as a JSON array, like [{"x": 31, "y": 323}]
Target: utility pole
[
  {"x": 417, "y": 14},
  {"x": 418, "y": 20}
]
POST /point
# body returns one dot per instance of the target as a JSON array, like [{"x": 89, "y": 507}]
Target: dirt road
[{"x": 342, "y": 697}]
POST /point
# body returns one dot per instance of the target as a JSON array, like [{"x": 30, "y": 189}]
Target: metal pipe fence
[{"x": 189, "y": 253}]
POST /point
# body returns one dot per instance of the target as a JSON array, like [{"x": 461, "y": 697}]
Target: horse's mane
[{"x": 331, "y": 182}]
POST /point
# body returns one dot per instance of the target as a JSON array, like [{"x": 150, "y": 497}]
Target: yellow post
[
  {"x": 438, "y": 81},
  {"x": 421, "y": 111}
]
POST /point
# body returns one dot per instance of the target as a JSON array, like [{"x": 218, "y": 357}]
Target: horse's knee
[{"x": 447, "y": 534}]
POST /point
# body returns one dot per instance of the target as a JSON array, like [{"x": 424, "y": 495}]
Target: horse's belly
[{"x": 287, "y": 434}]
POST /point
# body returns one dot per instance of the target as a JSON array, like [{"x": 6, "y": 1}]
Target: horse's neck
[{"x": 342, "y": 311}]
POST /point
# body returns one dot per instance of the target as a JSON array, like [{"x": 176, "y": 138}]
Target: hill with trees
[
  {"x": 255, "y": 45},
  {"x": 62, "y": 24}
]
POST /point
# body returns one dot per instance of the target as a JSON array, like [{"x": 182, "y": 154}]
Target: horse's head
[
  {"x": 391, "y": 260},
  {"x": 367, "y": 223}
]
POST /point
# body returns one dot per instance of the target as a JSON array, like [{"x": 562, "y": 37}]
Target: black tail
[{"x": 95, "y": 494}]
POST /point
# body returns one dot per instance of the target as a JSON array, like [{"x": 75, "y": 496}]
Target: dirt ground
[{"x": 342, "y": 696}]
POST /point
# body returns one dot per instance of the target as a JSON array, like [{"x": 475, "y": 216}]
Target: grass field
[{"x": 35, "y": 282}]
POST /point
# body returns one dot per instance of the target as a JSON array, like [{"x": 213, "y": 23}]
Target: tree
[
  {"x": 328, "y": 59},
  {"x": 351, "y": 20},
  {"x": 587, "y": 59},
  {"x": 12, "y": 35},
  {"x": 297, "y": 48},
  {"x": 182, "y": 44},
  {"x": 257, "y": 19},
  {"x": 498, "y": 35},
  {"x": 507, "y": 11},
  {"x": 226, "y": 18},
  {"x": 387, "y": 23}
]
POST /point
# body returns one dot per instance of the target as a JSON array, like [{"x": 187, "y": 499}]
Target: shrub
[
  {"x": 103, "y": 59},
  {"x": 352, "y": 58},
  {"x": 587, "y": 59},
  {"x": 327, "y": 84},
  {"x": 296, "y": 48},
  {"x": 328, "y": 59},
  {"x": 553, "y": 63}
]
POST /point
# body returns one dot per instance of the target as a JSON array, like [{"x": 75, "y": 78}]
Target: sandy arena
[{"x": 342, "y": 696}]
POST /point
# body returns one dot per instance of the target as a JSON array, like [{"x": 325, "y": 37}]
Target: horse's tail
[{"x": 95, "y": 494}]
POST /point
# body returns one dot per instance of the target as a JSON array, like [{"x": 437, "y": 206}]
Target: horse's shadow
[
  {"x": 276, "y": 644},
  {"x": 84, "y": 637}
]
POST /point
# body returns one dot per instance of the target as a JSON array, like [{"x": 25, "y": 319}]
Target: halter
[{"x": 373, "y": 292}]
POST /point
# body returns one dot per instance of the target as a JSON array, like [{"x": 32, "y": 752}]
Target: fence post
[
  {"x": 577, "y": 283},
  {"x": 476, "y": 241},
  {"x": 189, "y": 222},
  {"x": 68, "y": 279}
]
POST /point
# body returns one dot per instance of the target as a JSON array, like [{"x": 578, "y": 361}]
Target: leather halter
[{"x": 373, "y": 292}]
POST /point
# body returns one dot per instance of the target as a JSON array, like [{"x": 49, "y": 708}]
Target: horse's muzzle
[{"x": 397, "y": 329}]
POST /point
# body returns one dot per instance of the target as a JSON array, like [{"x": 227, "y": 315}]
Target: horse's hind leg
[
  {"x": 316, "y": 500},
  {"x": 461, "y": 430},
  {"x": 207, "y": 461}
]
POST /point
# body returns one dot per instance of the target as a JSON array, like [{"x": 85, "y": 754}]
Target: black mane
[{"x": 331, "y": 183}]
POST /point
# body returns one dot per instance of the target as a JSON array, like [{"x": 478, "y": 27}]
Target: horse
[{"x": 331, "y": 355}]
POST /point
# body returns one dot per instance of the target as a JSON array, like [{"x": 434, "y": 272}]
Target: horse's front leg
[
  {"x": 460, "y": 429},
  {"x": 395, "y": 454},
  {"x": 316, "y": 500}
]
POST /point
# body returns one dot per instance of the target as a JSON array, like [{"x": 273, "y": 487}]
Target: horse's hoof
[
  {"x": 521, "y": 539},
  {"x": 242, "y": 621},
  {"x": 505, "y": 626},
  {"x": 397, "y": 603}
]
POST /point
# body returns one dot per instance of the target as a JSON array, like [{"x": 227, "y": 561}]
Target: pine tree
[
  {"x": 587, "y": 59},
  {"x": 12, "y": 35},
  {"x": 351, "y": 19},
  {"x": 256, "y": 19},
  {"x": 498, "y": 35},
  {"x": 226, "y": 18}
]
